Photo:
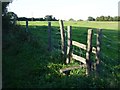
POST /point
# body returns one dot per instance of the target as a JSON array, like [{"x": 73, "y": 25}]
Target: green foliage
[
  {"x": 50, "y": 18},
  {"x": 108, "y": 18},
  {"x": 91, "y": 18},
  {"x": 79, "y": 20},
  {"x": 8, "y": 19},
  {"x": 71, "y": 19},
  {"x": 46, "y": 18},
  {"x": 4, "y": 9},
  {"x": 13, "y": 17}
]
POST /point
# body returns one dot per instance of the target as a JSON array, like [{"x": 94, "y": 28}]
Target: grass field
[
  {"x": 29, "y": 64},
  {"x": 92, "y": 24}
]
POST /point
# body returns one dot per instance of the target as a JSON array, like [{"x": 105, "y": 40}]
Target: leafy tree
[
  {"x": 54, "y": 19},
  {"x": 111, "y": 19},
  {"x": 4, "y": 9},
  {"x": 8, "y": 18},
  {"x": 13, "y": 17},
  {"x": 91, "y": 18},
  {"x": 5, "y": 18},
  {"x": 71, "y": 19},
  {"x": 48, "y": 18},
  {"x": 41, "y": 19},
  {"x": 105, "y": 18},
  {"x": 102, "y": 18},
  {"x": 116, "y": 18},
  {"x": 79, "y": 20},
  {"x": 98, "y": 19}
]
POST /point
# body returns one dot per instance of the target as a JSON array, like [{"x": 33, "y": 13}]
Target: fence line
[
  {"x": 109, "y": 40},
  {"x": 109, "y": 46},
  {"x": 67, "y": 48},
  {"x": 88, "y": 48}
]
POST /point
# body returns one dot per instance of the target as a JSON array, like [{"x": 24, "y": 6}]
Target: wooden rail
[
  {"x": 78, "y": 58},
  {"x": 80, "y": 45},
  {"x": 83, "y": 46},
  {"x": 71, "y": 68}
]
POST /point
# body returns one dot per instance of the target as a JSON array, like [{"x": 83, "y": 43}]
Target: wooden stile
[
  {"x": 69, "y": 47},
  {"x": 94, "y": 50},
  {"x": 71, "y": 68},
  {"x": 63, "y": 43},
  {"x": 67, "y": 50},
  {"x": 88, "y": 52},
  {"x": 98, "y": 41}
]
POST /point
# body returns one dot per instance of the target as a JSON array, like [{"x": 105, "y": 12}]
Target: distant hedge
[
  {"x": 46, "y": 18},
  {"x": 104, "y": 18}
]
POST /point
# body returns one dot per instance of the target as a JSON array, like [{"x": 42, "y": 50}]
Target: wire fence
[
  {"x": 111, "y": 46},
  {"x": 107, "y": 43}
]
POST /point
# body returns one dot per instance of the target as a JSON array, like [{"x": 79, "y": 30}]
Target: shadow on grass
[{"x": 35, "y": 67}]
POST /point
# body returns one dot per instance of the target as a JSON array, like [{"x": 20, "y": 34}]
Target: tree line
[
  {"x": 104, "y": 18},
  {"x": 46, "y": 18}
]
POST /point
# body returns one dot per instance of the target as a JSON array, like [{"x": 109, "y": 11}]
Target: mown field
[{"x": 29, "y": 64}]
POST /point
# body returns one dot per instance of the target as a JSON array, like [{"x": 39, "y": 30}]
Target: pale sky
[{"x": 64, "y": 9}]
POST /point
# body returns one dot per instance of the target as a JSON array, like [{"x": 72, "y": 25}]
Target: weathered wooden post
[
  {"x": 98, "y": 42},
  {"x": 69, "y": 46},
  {"x": 88, "y": 52},
  {"x": 27, "y": 31},
  {"x": 63, "y": 43},
  {"x": 26, "y": 25},
  {"x": 49, "y": 36}
]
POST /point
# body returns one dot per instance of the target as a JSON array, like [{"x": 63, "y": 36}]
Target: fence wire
[{"x": 107, "y": 43}]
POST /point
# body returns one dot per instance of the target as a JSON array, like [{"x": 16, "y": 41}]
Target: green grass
[
  {"x": 91, "y": 24},
  {"x": 31, "y": 65}
]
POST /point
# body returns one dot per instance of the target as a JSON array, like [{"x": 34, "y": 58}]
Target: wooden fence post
[
  {"x": 88, "y": 52},
  {"x": 98, "y": 42},
  {"x": 49, "y": 36},
  {"x": 69, "y": 46},
  {"x": 63, "y": 43},
  {"x": 26, "y": 25}
]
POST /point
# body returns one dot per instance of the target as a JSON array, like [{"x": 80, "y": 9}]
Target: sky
[{"x": 64, "y": 9}]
